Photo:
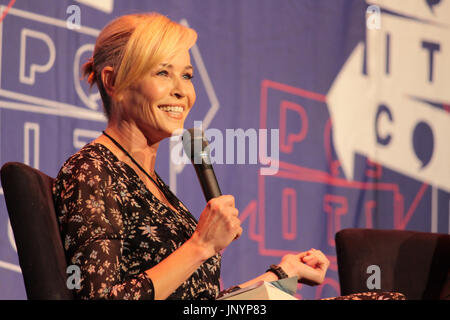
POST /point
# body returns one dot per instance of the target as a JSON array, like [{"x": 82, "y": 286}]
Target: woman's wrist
[
  {"x": 201, "y": 250},
  {"x": 278, "y": 271},
  {"x": 290, "y": 271}
]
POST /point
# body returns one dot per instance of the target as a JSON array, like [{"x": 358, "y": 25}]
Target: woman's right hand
[{"x": 218, "y": 225}]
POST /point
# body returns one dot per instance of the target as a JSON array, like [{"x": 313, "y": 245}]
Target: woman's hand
[
  {"x": 218, "y": 225},
  {"x": 310, "y": 266}
]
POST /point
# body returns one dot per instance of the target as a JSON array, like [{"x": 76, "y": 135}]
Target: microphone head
[
  {"x": 197, "y": 149},
  {"x": 195, "y": 146}
]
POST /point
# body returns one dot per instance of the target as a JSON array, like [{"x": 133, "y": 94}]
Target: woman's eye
[
  {"x": 162, "y": 73},
  {"x": 188, "y": 76}
]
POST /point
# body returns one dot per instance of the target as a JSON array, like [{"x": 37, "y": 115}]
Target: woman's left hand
[{"x": 309, "y": 266}]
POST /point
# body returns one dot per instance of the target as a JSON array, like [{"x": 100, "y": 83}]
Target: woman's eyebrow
[{"x": 168, "y": 65}]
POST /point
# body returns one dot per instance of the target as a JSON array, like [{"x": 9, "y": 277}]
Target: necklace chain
[
  {"x": 157, "y": 183},
  {"x": 135, "y": 162}
]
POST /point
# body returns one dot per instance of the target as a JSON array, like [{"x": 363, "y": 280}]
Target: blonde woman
[{"x": 120, "y": 223}]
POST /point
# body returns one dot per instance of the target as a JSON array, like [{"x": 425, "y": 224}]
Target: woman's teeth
[{"x": 175, "y": 109}]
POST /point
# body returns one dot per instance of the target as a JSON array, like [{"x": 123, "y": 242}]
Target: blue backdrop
[{"x": 356, "y": 91}]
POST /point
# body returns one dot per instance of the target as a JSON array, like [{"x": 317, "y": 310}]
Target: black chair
[
  {"x": 416, "y": 264},
  {"x": 28, "y": 196}
]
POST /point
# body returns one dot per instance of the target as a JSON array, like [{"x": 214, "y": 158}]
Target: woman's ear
[{"x": 108, "y": 78}]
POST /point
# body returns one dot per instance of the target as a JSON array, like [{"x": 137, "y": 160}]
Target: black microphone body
[
  {"x": 196, "y": 147},
  {"x": 208, "y": 181}
]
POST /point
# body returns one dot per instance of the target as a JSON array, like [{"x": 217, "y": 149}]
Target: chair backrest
[
  {"x": 28, "y": 196},
  {"x": 416, "y": 264}
]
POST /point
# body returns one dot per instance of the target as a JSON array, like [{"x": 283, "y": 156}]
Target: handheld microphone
[{"x": 196, "y": 147}]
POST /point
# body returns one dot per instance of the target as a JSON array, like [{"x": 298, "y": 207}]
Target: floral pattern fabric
[
  {"x": 371, "y": 295},
  {"x": 115, "y": 229}
]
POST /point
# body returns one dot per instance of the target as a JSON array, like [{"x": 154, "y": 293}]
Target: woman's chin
[
  {"x": 177, "y": 131},
  {"x": 159, "y": 132},
  {"x": 173, "y": 130}
]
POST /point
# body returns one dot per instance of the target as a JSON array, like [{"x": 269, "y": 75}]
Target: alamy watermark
[
  {"x": 373, "y": 17},
  {"x": 74, "y": 279},
  {"x": 374, "y": 280},
  {"x": 74, "y": 19},
  {"x": 234, "y": 146}
]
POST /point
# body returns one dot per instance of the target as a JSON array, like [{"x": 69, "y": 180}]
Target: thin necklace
[
  {"x": 135, "y": 162},
  {"x": 166, "y": 193},
  {"x": 161, "y": 187}
]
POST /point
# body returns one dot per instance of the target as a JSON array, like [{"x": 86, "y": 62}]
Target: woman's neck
[{"x": 133, "y": 140}]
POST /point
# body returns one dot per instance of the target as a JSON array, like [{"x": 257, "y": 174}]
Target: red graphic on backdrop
[
  {"x": 287, "y": 140},
  {"x": 334, "y": 206},
  {"x": 289, "y": 213},
  {"x": 11, "y": 3}
]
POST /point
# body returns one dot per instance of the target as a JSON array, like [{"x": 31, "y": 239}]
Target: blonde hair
[{"x": 132, "y": 45}]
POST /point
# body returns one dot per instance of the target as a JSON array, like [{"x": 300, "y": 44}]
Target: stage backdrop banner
[{"x": 322, "y": 115}]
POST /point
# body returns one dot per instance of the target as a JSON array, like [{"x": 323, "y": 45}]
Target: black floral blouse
[{"x": 114, "y": 229}]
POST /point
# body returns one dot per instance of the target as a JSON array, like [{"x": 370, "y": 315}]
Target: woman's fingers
[
  {"x": 238, "y": 234},
  {"x": 227, "y": 200},
  {"x": 219, "y": 223},
  {"x": 315, "y": 259},
  {"x": 301, "y": 255},
  {"x": 311, "y": 260},
  {"x": 312, "y": 276},
  {"x": 323, "y": 260},
  {"x": 309, "y": 266}
]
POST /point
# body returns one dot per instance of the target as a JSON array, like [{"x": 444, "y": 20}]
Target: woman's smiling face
[{"x": 160, "y": 102}]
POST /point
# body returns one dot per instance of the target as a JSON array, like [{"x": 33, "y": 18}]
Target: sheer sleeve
[{"x": 90, "y": 212}]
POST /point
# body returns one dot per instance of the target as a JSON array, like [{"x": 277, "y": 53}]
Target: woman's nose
[
  {"x": 178, "y": 95},
  {"x": 178, "y": 89}
]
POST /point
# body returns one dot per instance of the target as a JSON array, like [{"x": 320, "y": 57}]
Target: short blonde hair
[{"x": 132, "y": 45}]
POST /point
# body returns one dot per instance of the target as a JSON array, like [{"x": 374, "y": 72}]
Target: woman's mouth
[{"x": 173, "y": 111}]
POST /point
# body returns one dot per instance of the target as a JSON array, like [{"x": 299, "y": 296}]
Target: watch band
[{"x": 278, "y": 271}]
